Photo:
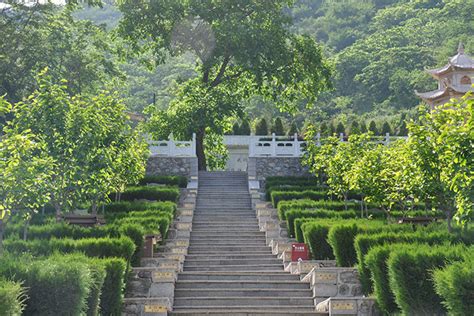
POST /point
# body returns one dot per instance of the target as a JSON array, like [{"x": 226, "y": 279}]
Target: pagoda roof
[
  {"x": 460, "y": 61},
  {"x": 446, "y": 91}
]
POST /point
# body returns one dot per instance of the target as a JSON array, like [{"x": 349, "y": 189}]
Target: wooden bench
[
  {"x": 84, "y": 220},
  {"x": 420, "y": 220}
]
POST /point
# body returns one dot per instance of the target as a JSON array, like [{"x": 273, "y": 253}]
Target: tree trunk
[
  {"x": 449, "y": 220},
  {"x": 57, "y": 207},
  {"x": 25, "y": 230},
  {"x": 1, "y": 237},
  {"x": 202, "y": 164}
]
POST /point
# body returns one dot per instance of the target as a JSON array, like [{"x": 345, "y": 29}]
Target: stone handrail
[{"x": 173, "y": 148}]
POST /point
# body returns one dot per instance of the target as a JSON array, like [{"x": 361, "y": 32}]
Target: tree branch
[{"x": 221, "y": 72}]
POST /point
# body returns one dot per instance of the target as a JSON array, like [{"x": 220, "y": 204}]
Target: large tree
[{"x": 243, "y": 48}]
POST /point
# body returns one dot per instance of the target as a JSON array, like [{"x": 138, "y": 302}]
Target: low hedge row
[
  {"x": 122, "y": 247},
  {"x": 455, "y": 285},
  {"x": 62, "y": 230},
  {"x": 286, "y": 188},
  {"x": 295, "y": 181},
  {"x": 151, "y": 224},
  {"x": 68, "y": 284},
  {"x": 179, "y": 181},
  {"x": 278, "y": 196},
  {"x": 117, "y": 208},
  {"x": 315, "y": 236},
  {"x": 411, "y": 281},
  {"x": 292, "y": 215},
  {"x": 11, "y": 297},
  {"x": 306, "y": 204},
  {"x": 364, "y": 242},
  {"x": 152, "y": 193},
  {"x": 341, "y": 237}
]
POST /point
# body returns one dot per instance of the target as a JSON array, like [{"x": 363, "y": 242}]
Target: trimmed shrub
[
  {"x": 315, "y": 234},
  {"x": 341, "y": 238},
  {"x": 287, "y": 188},
  {"x": 376, "y": 261},
  {"x": 93, "y": 247},
  {"x": 291, "y": 215},
  {"x": 410, "y": 274},
  {"x": 296, "y": 181},
  {"x": 115, "y": 208},
  {"x": 111, "y": 300},
  {"x": 278, "y": 196},
  {"x": 306, "y": 204},
  {"x": 455, "y": 285},
  {"x": 179, "y": 181},
  {"x": 152, "y": 193},
  {"x": 364, "y": 242},
  {"x": 12, "y": 297},
  {"x": 136, "y": 233},
  {"x": 152, "y": 225}
]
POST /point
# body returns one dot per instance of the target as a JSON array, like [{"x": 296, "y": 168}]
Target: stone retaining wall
[
  {"x": 259, "y": 168},
  {"x": 175, "y": 166}
]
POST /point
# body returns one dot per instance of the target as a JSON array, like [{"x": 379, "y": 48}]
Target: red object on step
[{"x": 299, "y": 252}]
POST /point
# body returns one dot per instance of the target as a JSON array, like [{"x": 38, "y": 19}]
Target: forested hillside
[{"x": 379, "y": 50}]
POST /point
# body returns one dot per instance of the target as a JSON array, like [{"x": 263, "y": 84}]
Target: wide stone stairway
[{"x": 229, "y": 270}]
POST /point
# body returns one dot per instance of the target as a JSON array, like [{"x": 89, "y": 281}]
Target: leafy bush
[
  {"x": 179, "y": 181},
  {"x": 291, "y": 215},
  {"x": 93, "y": 247},
  {"x": 305, "y": 204},
  {"x": 12, "y": 297},
  {"x": 364, "y": 242},
  {"x": 341, "y": 238},
  {"x": 410, "y": 274},
  {"x": 278, "y": 196},
  {"x": 152, "y": 193},
  {"x": 299, "y": 181},
  {"x": 455, "y": 285}
]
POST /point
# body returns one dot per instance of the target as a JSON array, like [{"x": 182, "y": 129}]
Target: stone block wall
[
  {"x": 175, "y": 166},
  {"x": 259, "y": 168}
]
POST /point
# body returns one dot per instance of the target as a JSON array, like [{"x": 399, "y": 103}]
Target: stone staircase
[{"x": 229, "y": 269}]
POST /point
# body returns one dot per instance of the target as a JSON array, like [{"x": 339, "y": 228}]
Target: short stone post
[
  {"x": 387, "y": 139},
  {"x": 274, "y": 145},
  {"x": 296, "y": 145},
  {"x": 318, "y": 139}
]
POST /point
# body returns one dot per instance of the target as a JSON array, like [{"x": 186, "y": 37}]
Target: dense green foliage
[
  {"x": 416, "y": 295},
  {"x": 11, "y": 298},
  {"x": 179, "y": 181},
  {"x": 278, "y": 196},
  {"x": 455, "y": 283},
  {"x": 152, "y": 193}
]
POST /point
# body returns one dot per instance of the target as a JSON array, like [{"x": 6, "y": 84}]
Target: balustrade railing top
[{"x": 259, "y": 146}]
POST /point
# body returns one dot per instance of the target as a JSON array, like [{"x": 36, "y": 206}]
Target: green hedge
[
  {"x": 315, "y": 236},
  {"x": 55, "y": 287},
  {"x": 278, "y": 196},
  {"x": 70, "y": 284},
  {"x": 376, "y": 261},
  {"x": 12, "y": 297},
  {"x": 295, "y": 181},
  {"x": 152, "y": 224},
  {"x": 286, "y": 188},
  {"x": 364, "y": 242},
  {"x": 115, "y": 208},
  {"x": 179, "y": 181},
  {"x": 341, "y": 238},
  {"x": 152, "y": 193},
  {"x": 122, "y": 247},
  {"x": 306, "y": 204},
  {"x": 292, "y": 215},
  {"x": 410, "y": 274},
  {"x": 455, "y": 285}
]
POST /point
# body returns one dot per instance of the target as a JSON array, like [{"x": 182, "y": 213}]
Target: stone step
[
  {"x": 225, "y": 229},
  {"x": 228, "y": 243},
  {"x": 218, "y": 239},
  {"x": 239, "y": 284},
  {"x": 222, "y": 249},
  {"x": 234, "y": 268},
  {"x": 244, "y": 301},
  {"x": 244, "y": 311},
  {"x": 226, "y": 234},
  {"x": 227, "y": 262},
  {"x": 243, "y": 292},
  {"x": 266, "y": 255},
  {"x": 237, "y": 276}
]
